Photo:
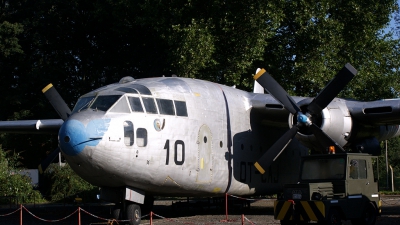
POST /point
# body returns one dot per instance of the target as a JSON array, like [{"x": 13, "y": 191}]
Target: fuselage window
[
  {"x": 82, "y": 104},
  {"x": 166, "y": 106},
  {"x": 181, "y": 109},
  {"x": 121, "y": 106},
  {"x": 128, "y": 133},
  {"x": 141, "y": 137},
  {"x": 135, "y": 103},
  {"x": 149, "y": 105},
  {"x": 104, "y": 102}
]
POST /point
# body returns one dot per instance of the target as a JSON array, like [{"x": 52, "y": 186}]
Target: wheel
[
  {"x": 116, "y": 212},
  {"x": 133, "y": 214},
  {"x": 368, "y": 216},
  {"x": 334, "y": 217},
  {"x": 288, "y": 222}
]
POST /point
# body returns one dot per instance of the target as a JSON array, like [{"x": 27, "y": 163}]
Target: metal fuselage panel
[{"x": 207, "y": 153}]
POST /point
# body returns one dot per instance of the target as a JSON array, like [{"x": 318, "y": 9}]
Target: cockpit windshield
[
  {"x": 82, "y": 104},
  {"x": 102, "y": 102}
]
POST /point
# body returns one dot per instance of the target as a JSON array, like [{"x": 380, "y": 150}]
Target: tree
[
  {"x": 316, "y": 38},
  {"x": 80, "y": 45}
]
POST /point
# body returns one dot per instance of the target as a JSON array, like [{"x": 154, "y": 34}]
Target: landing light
[{"x": 332, "y": 150}]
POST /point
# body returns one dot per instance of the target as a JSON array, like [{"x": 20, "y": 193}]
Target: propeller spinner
[{"x": 322, "y": 100}]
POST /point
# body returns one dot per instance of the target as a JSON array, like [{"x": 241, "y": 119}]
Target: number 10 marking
[{"x": 182, "y": 148}]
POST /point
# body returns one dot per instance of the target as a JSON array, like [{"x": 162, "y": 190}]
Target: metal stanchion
[
  {"x": 79, "y": 215},
  {"x": 20, "y": 214}
]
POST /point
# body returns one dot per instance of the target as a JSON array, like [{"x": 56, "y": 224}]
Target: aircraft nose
[{"x": 74, "y": 136}]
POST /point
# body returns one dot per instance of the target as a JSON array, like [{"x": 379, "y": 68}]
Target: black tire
[
  {"x": 116, "y": 212},
  {"x": 334, "y": 217},
  {"x": 133, "y": 214},
  {"x": 288, "y": 222},
  {"x": 368, "y": 217}
]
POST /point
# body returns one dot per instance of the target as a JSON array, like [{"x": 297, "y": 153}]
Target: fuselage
[{"x": 175, "y": 136}]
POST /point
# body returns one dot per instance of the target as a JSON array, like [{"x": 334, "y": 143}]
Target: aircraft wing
[
  {"x": 31, "y": 126},
  {"x": 381, "y": 112}
]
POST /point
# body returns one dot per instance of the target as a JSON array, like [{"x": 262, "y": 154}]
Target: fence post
[
  {"x": 20, "y": 214},
  {"x": 79, "y": 215},
  {"x": 151, "y": 217},
  {"x": 226, "y": 206},
  {"x": 242, "y": 219}
]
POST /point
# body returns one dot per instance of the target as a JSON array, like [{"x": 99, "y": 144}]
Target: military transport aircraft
[{"x": 176, "y": 136}]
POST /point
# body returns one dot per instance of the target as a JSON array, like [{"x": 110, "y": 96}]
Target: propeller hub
[{"x": 303, "y": 119}]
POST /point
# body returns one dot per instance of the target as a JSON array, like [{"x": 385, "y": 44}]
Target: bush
[
  {"x": 65, "y": 183},
  {"x": 14, "y": 184}
]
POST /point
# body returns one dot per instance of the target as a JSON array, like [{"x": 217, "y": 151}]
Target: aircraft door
[{"x": 204, "y": 140}]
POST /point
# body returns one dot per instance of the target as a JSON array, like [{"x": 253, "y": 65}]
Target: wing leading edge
[{"x": 31, "y": 126}]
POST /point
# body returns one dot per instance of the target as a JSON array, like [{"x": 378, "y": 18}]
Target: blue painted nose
[{"x": 74, "y": 135}]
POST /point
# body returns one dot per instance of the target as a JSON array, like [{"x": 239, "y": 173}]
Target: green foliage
[
  {"x": 80, "y": 45},
  {"x": 65, "y": 183},
  {"x": 13, "y": 183},
  {"x": 393, "y": 152},
  {"x": 8, "y": 38},
  {"x": 317, "y": 38}
]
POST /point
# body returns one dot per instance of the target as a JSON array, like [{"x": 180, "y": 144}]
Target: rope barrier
[
  {"x": 397, "y": 201},
  {"x": 98, "y": 217},
  {"x": 50, "y": 220},
  {"x": 11, "y": 212},
  {"x": 249, "y": 221}
]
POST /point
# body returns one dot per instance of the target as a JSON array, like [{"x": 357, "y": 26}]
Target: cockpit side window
[
  {"x": 135, "y": 103},
  {"x": 82, "y": 104},
  {"x": 149, "y": 105},
  {"x": 104, "y": 102},
  {"x": 181, "y": 109},
  {"x": 166, "y": 106},
  {"x": 121, "y": 106},
  {"x": 128, "y": 133}
]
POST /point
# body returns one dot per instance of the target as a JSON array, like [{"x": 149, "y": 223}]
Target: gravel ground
[
  {"x": 260, "y": 212},
  {"x": 174, "y": 212}
]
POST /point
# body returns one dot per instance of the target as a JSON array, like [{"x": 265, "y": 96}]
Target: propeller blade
[
  {"x": 56, "y": 101},
  {"x": 276, "y": 90},
  {"x": 50, "y": 158},
  {"x": 323, "y": 138},
  {"x": 332, "y": 89},
  {"x": 275, "y": 150}
]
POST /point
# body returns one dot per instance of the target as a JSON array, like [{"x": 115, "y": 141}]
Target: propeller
[
  {"x": 63, "y": 111},
  {"x": 49, "y": 159},
  {"x": 331, "y": 90},
  {"x": 56, "y": 101}
]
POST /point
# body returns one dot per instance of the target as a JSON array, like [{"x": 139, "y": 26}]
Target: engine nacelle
[{"x": 336, "y": 121}]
